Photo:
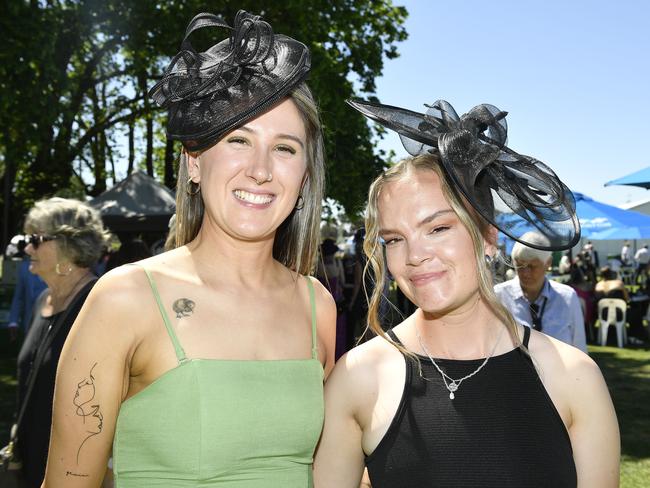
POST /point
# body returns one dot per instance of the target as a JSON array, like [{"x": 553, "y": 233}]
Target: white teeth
[{"x": 253, "y": 197}]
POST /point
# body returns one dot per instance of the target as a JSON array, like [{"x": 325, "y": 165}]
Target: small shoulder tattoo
[{"x": 184, "y": 307}]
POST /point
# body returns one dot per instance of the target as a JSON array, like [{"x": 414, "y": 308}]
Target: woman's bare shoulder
[
  {"x": 321, "y": 293},
  {"x": 125, "y": 293},
  {"x": 119, "y": 284},
  {"x": 365, "y": 362},
  {"x": 361, "y": 373},
  {"x": 563, "y": 362}
]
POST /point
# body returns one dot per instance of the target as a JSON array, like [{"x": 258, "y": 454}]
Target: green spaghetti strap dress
[{"x": 222, "y": 423}]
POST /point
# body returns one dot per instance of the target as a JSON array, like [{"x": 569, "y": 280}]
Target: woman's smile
[
  {"x": 254, "y": 199},
  {"x": 422, "y": 279}
]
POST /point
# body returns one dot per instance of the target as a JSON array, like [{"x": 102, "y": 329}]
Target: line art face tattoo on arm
[
  {"x": 184, "y": 307},
  {"x": 89, "y": 413}
]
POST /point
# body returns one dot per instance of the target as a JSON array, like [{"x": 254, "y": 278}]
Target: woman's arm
[
  {"x": 92, "y": 380},
  {"x": 594, "y": 429},
  {"x": 326, "y": 325},
  {"x": 580, "y": 395},
  {"x": 339, "y": 461}
]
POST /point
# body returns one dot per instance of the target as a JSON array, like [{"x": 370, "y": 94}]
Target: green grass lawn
[{"x": 627, "y": 372}]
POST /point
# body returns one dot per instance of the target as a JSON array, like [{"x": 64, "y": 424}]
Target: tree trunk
[
  {"x": 142, "y": 81},
  {"x": 99, "y": 156},
  {"x": 170, "y": 178},
  {"x": 111, "y": 159},
  {"x": 98, "y": 149},
  {"x": 129, "y": 170},
  {"x": 47, "y": 175},
  {"x": 8, "y": 180},
  {"x": 150, "y": 144}
]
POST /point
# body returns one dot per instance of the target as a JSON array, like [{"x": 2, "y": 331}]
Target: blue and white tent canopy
[
  {"x": 639, "y": 178},
  {"x": 601, "y": 221}
]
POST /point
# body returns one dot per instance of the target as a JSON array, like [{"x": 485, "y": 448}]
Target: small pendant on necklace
[{"x": 451, "y": 395}]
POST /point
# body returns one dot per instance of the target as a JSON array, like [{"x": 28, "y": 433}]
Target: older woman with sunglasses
[{"x": 65, "y": 239}]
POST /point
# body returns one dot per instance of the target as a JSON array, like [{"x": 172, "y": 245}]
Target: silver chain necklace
[{"x": 450, "y": 383}]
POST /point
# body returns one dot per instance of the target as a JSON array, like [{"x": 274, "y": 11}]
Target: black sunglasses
[{"x": 37, "y": 239}]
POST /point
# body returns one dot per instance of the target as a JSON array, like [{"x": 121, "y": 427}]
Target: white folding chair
[{"x": 612, "y": 312}]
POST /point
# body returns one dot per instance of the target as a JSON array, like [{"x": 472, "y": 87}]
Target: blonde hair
[
  {"x": 296, "y": 240},
  {"x": 477, "y": 227}
]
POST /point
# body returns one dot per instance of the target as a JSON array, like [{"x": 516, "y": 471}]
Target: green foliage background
[{"x": 74, "y": 74}]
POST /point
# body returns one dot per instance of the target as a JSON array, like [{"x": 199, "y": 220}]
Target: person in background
[
  {"x": 331, "y": 274},
  {"x": 459, "y": 394},
  {"x": 28, "y": 287},
  {"x": 358, "y": 305},
  {"x": 66, "y": 238},
  {"x": 131, "y": 250},
  {"x": 585, "y": 291},
  {"x": 584, "y": 261},
  {"x": 206, "y": 363},
  {"x": 641, "y": 258},
  {"x": 589, "y": 250},
  {"x": 540, "y": 303},
  {"x": 626, "y": 254},
  {"x": 100, "y": 266},
  {"x": 564, "y": 266},
  {"x": 610, "y": 286},
  {"x": 363, "y": 287}
]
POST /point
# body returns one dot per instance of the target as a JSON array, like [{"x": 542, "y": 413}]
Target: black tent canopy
[{"x": 136, "y": 204}]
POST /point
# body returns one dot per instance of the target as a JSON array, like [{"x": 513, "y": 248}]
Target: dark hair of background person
[{"x": 130, "y": 251}]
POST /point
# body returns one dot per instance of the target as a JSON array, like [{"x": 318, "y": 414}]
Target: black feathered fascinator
[
  {"x": 213, "y": 92},
  {"x": 515, "y": 193}
]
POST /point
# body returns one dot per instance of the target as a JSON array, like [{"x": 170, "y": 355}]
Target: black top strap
[
  {"x": 394, "y": 337},
  {"x": 526, "y": 336}
]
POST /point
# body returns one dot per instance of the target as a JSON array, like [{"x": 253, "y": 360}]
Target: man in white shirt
[
  {"x": 642, "y": 257},
  {"x": 626, "y": 254},
  {"x": 539, "y": 303}
]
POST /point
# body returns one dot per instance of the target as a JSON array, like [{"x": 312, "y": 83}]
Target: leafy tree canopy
[{"x": 74, "y": 76}]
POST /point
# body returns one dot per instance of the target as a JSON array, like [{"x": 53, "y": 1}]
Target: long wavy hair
[
  {"x": 296, "y": 240},
  {"x": 477, "y": 227}
]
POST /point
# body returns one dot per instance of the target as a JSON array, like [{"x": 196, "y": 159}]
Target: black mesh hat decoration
[
  {"x": 516, "y": 193},
  {"x": 211, "y": 93}
]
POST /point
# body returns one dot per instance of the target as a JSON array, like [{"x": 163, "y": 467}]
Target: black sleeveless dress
[{"x": 501, "y": 429}]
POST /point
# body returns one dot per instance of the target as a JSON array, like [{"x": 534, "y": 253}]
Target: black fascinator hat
[
  {"x": 210, "y": 93},
  {"x": 516, "y": 193}
]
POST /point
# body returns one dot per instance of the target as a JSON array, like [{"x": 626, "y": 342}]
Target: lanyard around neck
[{"x": 537, "y": 313}]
